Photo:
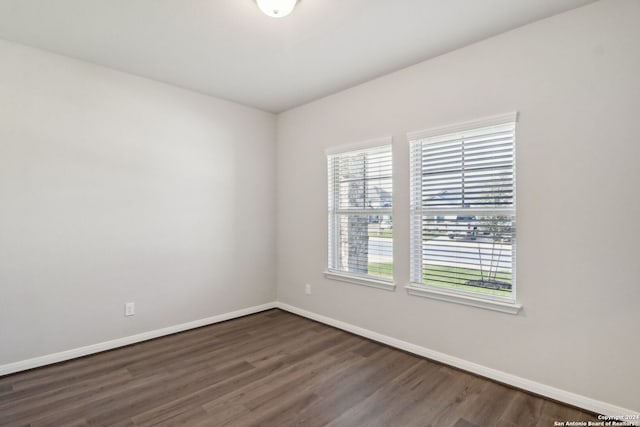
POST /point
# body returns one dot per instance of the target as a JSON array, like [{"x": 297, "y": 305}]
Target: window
[
  {"x": 360, "y": 215},
  {"x": 463, "y": 223}
]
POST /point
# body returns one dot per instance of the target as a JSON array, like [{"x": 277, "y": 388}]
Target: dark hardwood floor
[{"x": 269, "y": 369}]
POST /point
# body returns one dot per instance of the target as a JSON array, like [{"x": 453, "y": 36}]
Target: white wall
[
  {"x": 574, "y": 78},
  {"x": 115, "y": 188}
]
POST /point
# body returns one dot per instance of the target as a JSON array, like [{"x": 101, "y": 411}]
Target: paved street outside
[{"x": 481, "y": 251}]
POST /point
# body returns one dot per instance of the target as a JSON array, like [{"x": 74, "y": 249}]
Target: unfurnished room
[{"x": 352, "y": 213}]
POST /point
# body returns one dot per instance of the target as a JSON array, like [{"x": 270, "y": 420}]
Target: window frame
[
  {"x": 369, "y": 280},
  {"x": 505, "y": 304}
]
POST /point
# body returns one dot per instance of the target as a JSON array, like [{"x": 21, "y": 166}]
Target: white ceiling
[{"x": 229, "y": 49}]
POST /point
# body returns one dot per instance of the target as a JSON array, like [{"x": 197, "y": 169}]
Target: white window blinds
[
  {"x": 463, "y": 210},
  {"x": 360, "y": 207}
]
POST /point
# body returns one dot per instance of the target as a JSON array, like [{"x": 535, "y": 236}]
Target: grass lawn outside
[
  {"x": 458, "y": 277},
  {"x": 382, "y": 269},
  {"x": 385, "y": 232},
  {"x": 457, "y": 280}
]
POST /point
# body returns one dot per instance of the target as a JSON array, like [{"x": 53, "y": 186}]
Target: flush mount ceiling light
[{"x": 276, "y": 8}]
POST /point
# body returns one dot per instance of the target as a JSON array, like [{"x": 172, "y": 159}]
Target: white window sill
[
  {"x": 387, "y": 285},
  {"x": 459, "y": 298}
]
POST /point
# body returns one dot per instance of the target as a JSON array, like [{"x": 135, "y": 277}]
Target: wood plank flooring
[{"x": 268, "y": 369}]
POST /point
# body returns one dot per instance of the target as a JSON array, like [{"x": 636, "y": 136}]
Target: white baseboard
[
  {"x": 502, "y": 377},
  {"x": 120, "y": 342}
]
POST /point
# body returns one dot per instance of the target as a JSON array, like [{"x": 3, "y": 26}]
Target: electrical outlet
[
  {"x": 307, "y": 289},
  {"x": 130, "y": 309}
]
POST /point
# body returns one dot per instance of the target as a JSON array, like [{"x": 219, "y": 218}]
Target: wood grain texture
[{"x": 268, "y": 369}]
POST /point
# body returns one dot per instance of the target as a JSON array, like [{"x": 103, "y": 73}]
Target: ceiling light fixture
[{"x": 276, "y": 8}]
